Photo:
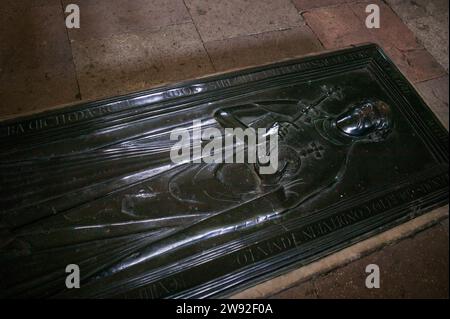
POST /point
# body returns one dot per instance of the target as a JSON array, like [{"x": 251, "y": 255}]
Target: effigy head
[{"x": 368, "y": 119}]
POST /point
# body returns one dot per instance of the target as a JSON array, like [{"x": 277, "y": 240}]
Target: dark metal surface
[{"x": 93, "y": 184}]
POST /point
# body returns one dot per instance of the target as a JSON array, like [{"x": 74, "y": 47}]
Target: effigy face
[{"x": 347, "y": 149}]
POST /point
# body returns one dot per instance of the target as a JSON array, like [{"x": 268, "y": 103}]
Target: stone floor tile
[
  {"x": 392, "y": 32},
  {"x": 303, "y": 5},
  {"x": 417, "y": 65},
  {"x": 130, "y": 62},
  {"x": 337, "y": 26},
  {"x": 32, "y": 36},
  {"x": 432, "y": 32},
  {"x": 29, "y": 90},
  {"x": 36, "y": 66},
  {"x": 435, "y": 94},
  {"x": 412, "y": 9},
  {"x": 401, "y": 270},
  {"x": 262, "y": 48},
  {"x": 113, "y": 17},
  {"x": 218, "y": 19}
]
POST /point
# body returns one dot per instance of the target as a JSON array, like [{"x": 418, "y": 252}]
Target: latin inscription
[
  {"x": 159, "y": 289},
  {"x": 334, "y": 222},
  {"x": 39, "y": 124}
]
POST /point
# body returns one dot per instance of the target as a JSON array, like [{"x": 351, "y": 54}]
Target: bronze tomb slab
[{"x": 93, "y": 184}]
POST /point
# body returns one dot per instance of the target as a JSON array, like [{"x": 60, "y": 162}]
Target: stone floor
[
  {"x": 124, "y": 46},
  {"x": 415, "y": 267}
]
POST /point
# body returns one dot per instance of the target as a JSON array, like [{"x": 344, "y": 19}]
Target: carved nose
[{"x": 349, "y": 125}]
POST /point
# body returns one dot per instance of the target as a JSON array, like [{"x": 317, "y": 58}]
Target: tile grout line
[
  {"x": 149, "y": 30},
  {"x": 257, "y": 33},
  {"x": 71, "y": 53},
  {"x": 200, "y": 36},
  {"x": 432, "y": 78},
  {"x": 312, "y": 31},
  {"x": 403, "y": 22},
  {"x": 287, "y": 28},
  {"x": 418, "y": 40},
  {"x": 301, "y": 12}
]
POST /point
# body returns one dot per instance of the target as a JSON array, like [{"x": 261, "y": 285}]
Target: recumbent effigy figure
[{"x": 313, "y": 145}]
